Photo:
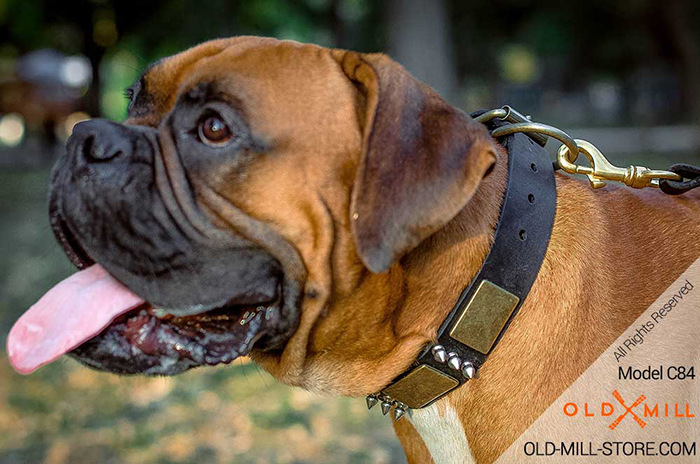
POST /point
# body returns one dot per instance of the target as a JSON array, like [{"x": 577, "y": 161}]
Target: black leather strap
[
  {"x": 520, "y": 242},
  {"x": 691, "y": 175}
]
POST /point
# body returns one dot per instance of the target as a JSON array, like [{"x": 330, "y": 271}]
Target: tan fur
[
  {"x": 412, "y": 442},
  {"x": 612, "y": 251}
]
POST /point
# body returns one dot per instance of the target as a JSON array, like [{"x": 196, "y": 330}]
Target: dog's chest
[{"x": 443, "y": 434}]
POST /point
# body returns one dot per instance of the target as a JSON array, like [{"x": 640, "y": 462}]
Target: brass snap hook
[{"x": 602, "y": 170}]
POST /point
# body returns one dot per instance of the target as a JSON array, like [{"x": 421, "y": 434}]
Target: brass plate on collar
[
  {"x": 484, "y": 316},
  {"x": 420, "y": 386}
]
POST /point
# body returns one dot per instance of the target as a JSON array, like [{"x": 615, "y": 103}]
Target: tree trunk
[
  {"x": 92, "y": 98},
  {"x": 419, "y": 38}
]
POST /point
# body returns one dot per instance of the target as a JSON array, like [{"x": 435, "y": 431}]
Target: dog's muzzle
[{"x": 210, "y": 295}]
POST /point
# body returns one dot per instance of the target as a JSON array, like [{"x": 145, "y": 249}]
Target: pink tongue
[{"x": 71, "y": 313}]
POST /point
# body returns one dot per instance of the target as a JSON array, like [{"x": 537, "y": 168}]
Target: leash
[{"x": 485, "y": 309}]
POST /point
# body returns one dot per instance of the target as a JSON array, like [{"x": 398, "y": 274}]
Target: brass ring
[{"x": 538, "y": 128}]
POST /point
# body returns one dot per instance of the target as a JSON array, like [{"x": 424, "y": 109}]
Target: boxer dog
[{"x": 321, "y": 210}]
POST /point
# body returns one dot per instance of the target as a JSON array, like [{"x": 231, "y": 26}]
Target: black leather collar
[{"x": 489, "y": 303}]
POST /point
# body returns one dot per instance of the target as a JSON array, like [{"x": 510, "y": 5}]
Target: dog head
[{"x": 260, "y": 197}]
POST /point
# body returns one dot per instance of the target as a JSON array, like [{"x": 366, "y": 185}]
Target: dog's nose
[{"x": 99, "y": 140}]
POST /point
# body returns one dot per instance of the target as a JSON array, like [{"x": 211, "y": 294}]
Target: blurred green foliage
[
  {"x": 122, "y": 37},
  {"x": 569, "y": 44}
]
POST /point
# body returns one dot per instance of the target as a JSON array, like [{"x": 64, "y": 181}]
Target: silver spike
[
  {"x": 399, "y": 411},
  {"x": 468, "y": 370},
  {"x": 439, "y": 353},
  {"x": 386, "y": 405},
  {"x": 371, "y": 401},
  {"x": 453, "y": 361}
]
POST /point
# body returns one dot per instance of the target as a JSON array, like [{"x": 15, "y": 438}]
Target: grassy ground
[{"x": 67, "y": 414}]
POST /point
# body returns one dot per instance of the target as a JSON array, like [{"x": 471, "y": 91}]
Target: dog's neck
[
  {"x": 567, "y": 318},
  {"x": 437, "y": 273},
  {"x": 561, "y": 320},
  {"x": 443, "y": 266},
  {"x": 434, "y": 276}
]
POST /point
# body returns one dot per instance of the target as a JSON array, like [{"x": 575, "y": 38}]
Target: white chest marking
[{"x": 442, "y": 434}]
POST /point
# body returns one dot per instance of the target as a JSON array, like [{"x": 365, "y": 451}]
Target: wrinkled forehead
[{"x": 283, "y": 80}]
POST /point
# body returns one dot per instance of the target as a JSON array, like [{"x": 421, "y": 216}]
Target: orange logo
[
  {"x": 637, "y": 402},
  {"x": 607, "y": 409}
]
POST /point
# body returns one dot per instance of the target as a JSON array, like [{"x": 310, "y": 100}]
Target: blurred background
[{"x": 623, "y": 74}]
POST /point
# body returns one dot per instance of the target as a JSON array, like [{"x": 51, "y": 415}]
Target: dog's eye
[{"x": 214, "y": 132}]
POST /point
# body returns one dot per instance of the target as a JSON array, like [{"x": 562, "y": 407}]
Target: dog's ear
[{"x": 422, "y": 160}]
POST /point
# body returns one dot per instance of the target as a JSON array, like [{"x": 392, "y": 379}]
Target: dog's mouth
[
  {"x": 149, "y": 340},
  {"x": 94, "y": 318}
]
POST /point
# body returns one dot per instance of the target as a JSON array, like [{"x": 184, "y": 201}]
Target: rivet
[
  {"x": 399, "y": 411},
  {"x": 439, "y": 353},
  {"x": 468, "y": 370},
  {"x": 371, "y": 401},
  {"x": 386, "y": 405},
  {"x": 453, "y": 361}
]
